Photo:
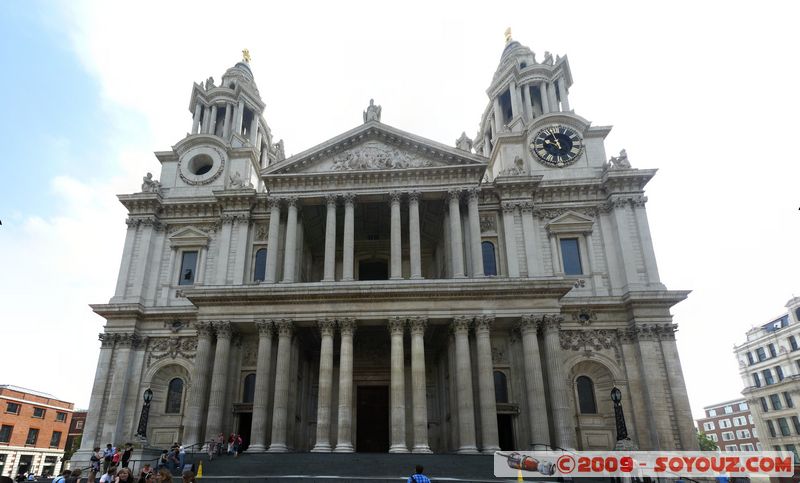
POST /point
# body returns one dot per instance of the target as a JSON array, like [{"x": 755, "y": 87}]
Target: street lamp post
[
  {"x": 623, "y": 441},
  {"x": 141, "y": 431}
]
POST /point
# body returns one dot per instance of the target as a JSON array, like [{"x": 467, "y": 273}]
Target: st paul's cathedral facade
[{"x": 382, "y": 292}]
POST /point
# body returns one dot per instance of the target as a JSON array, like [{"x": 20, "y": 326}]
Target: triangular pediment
[
  {"x": 570, "y": 222},
  {"x": 188, "y": 237},
  {"x": 374, "y": 147}
]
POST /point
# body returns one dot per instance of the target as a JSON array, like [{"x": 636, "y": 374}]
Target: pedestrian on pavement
[
  {"x": 163, "y": 460},
  {"x": 124, "y": 476},
  {"x": 126, "y": 455},
  {"x": 231, "y": 440},
  {"x": 108, "y": 454},
  {"x": 146, "y": 475},
  {"x": 188, "y": 476},
  {"x": 163, "y": 476},
  {"x": 181, "y": 455},
  {"x": 212, "y": 448},
  {"x": 75, "y": 477},
  {"x": 418, "y": 477},
  {"x": 108, "y": 476},
  {"x": 62, "y": 478},
  {"x": 96, "y": 459},
  {"x": 220, "y": 443},
  {"x": 115, "y": 459}
]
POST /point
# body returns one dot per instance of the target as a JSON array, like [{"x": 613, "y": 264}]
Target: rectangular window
[
  {"x": 571, "y": 256},
  {"x": 33, "y": 435},
  {"x": 739, "y": 421},
  {"x": 55, "y": 440},
  {"x": 743, "y": 406},
  {"x": 788, "y": 398},
  {"x": 712, "y": 413},
  {"x": 750, "y": 360},
  {"x": 791, "y": 447},
  {"x": 761, "y": 354},
  {"x": 708, "y": 426},
  {"x": 779, "y": 372},
  {"x": 61, "y": 417},
  {"x": 12, "y": 408},
  {"x": 764, "y": 405},
  {"x": 731, "y": 447},
  {"x": 38, "y": 413},
  {"x": 776, "y": 402},
  {"x": 796, "y": 424},
  {"x": 784, "y": 425},
  {"x": 727, "y": 436},
  {"x": 771, "y": 428},
  {"x": 79, "y": 424},
  {"x": 772, "y": 350},
  {"x": 793, "y": 343},
  {"x": 713, "y": 437},
  {"x": 188, "y": 268},
  {"x": 728, "y": 410},
  {"x": 5, "y": 433},
  {"x": 724, "y": 423},
  {"x": 768, "y": 380},
  {"x": 756, "y": 380},
  {"x": 746, "y": 447},
  {"x": 750, "y": 417},
  {"x": 743, "y": 434},
  {"x": 755, "y": 432}
]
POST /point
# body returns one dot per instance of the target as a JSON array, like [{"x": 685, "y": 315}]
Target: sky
[{"x": 706, "y": 92}]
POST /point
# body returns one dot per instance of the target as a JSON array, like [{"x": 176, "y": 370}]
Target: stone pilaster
[
  {"x": 258, "y": 432},
  {"x": 115, "y": 414},
  {"x": 682, "y": 411},
  {"x": 529, "y": 234},
  {"x": 562, "y": 90},
  {"x": 544, "y": 97},
  {"x": 101, "y": 379},
  {"x": 456, "y": 238},
  {"x": 330, "y": 239},
  {"x": 419, "y": 385},
  {"x": 510, "y": 238},
  {"x": 280, "y": 406},
  {"x": 196, "y": 399},
  {"x": 348, "y": 244},
  {"x": 219, "y": 379},
  {"x": 415, "y": 252},
  {"x": 466, "y": 410},
  {"x": 290, "y": 252},
  {"x": 488, "y": 411},
  {"x": 534, "y": 382},
  {"x": 326, "y": 328},
  {"x": 398, "y": 386},
  {"x": 559, "y": 399},
  {"x": 272, "y": 239},
  {"x": 475, "y": 233},
  {"x": 344, "y": 442},
  {"x": 396, "y": 241}
]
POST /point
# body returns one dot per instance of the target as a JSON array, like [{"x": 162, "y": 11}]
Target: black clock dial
[{"x": 557, "y": 146}]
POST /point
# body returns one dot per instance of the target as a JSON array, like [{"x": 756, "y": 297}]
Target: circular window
[{"x": 200, "y": 164}]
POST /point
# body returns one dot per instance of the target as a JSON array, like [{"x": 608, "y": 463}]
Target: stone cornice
[{"x": 626, "y": 180}]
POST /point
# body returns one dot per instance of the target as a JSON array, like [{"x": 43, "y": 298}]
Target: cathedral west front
[{"x": 383, "y": 292}]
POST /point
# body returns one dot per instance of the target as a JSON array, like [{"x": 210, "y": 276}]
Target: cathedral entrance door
[
  {"x": 372, "y": 419},
  {"x": 505, "y": 432},
  {"x": 245, "y": 425}
]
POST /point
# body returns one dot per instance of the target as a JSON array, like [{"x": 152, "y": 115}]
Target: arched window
[
  {"x": 586, "y": 401},
  {"x": 489, "y": 260},
  {"x": 500, "y": 387},
  {"x": 261, "y": 265},
  {"x": 174, "y": 396},
  {"x": 249, "y": 388}
]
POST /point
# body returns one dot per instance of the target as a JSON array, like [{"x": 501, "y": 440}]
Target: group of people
[
  {"x": 146, "y": 475},
  {"x": 217, "y": 446}
]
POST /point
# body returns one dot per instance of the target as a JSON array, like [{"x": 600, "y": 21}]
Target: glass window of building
[
  {"x": 768, "y": 380},
  {"x": 771, "y": 428},
  {"x": 188, "y": 268},
  {"x": 5, "y": 433},
  {"x": 174, "y": 396},
  {"x": 743, "y": 406},
  {"x": 712, "y": 413},
  {"x": 489, "y": 259},
  {"x": 260, "y": 272},
  {"x": 571, "y": 256},
  {"x": 764, "y": 406},
  {"x": 793, "y": 342},
  {"x": 249, "y": 388},
  {"x": 771, "y": 348},
  {"x": 784, "y": 425},
  {"x": 788, "y": 398},
  {"x": 779, "y": 372},
  {"x": 586, "y": 399},
  {"x": 38, "y": 413},
  {"x": 61, "y": 417},
  {"x": 727, "y": 436},
  {"x": 33, "y": 435},
  {"x": 12, "y": 408},
  {"x": 750, "y": 359},
  {"x": 775, "y": 401},
  {"x": 796, "y": 424},
  {"x": 500, "y": 387},
  {"x": 756, "y": 380},
  {"x": 55, "y": 439},
  {"x": 761, "y": 354},
  {"x": 728, "y": 409}
]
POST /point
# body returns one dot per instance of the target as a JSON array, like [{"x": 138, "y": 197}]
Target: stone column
[
  {"x": 456, "y": 239},
  {"x": 330, "y": 240},
  {"x": 516, "y": 106},
  {"x": 489, "y": 437},
  {"x": 534, "y": 382},
  {"x": 551, "y": 94},
  {"x": 466, "y": 410},
  {"x": 272, "y": 239},
  {"x": 344, "y": 442},
  {"x": 206, "y": 119},
  {"x": 645, "y": 240},
  {"x": 498, "y": 118},
  {"x": 543, "y": 95},
  {"x": 680, "y": 399},
  {"x": 396, "y": 242},
  {"x": 562, "y": 90},
  {"x": 212, "y": 125},
  {"x": 226, "y": 128},
  {"x": 119, "y": 385},
  {"x": 196, "y": 399},
  {"x": 101, "y": 377},
  {"x": 510, "y": 238},
  {"x": 558, "y": 269},
  {"x": 290, "y": 252},
  {"x": 559, "y": 399},
  {"x": 198, "y": 111},
  {"x": 398, "y": 386},
  {"x": 258, "y": 433},
  {"x": 475, "y": 233},
  {"x": 348, "y": 244},
  {"x": 219, "y": 380},
  {"x": 415, "y": 251},
  {"x": 237, "y": 124},
  {"x": 254, "y": 129},
  {"x": 280, "y": 405},
  {"x": 531, "y": 256},
  {"x": 419, "y": 385},
  {"x": 527, "y": 112},
  {"x": 326, "y": 328},
  {"x": 621, "y": 216}
]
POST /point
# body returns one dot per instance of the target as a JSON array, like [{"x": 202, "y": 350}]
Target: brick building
[
  {"x": 33, "y": 431},
  {"x": 731, "y": 426},
  {"x": 75, "y": 433}
]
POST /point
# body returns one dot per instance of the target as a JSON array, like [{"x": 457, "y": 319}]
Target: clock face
[{"x": 557, "y": 146}]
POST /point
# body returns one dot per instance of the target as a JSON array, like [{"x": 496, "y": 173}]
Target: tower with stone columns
[{"x": 383, "y": 292}]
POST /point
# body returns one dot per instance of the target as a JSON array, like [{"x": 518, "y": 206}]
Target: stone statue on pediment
[
  {"x": 464, "y": 143},
  {"x": 373, "y": 112},
  {"x": 548, "y": 58},
  {"x": 210, "y": 83},
  {"x": 150, "y": 185},
  {"x": 621, "y": 161},
  {"x": 236, "y": 181},
  {"x": 280, "y": 154}
]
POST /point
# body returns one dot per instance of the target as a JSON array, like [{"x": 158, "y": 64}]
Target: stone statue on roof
[
  {"x": 373, "y": 112},
  {"x": 621, "y": 161},
  {"x": 150, "y": 185}
]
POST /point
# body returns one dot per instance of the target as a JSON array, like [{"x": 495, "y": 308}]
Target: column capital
[
  {"x": 291, "y": 201},
  {"x": 265, "y": 327},
  {"x": 526, "y": 206},
  {"x": 106, "y": 340},
  {"x": 418, "y": 324},
  {"x": 454, "y": 194},
  {"x": 461, "y": 324},
  {"x": 397, "y": 325},
  {"x": 284, "y": 327},
  {"x": 223, "y": 329},
  {"x": 413, "y": 196},
  {"x": 474, "y": 193},
  {"x": 551, "y": 322},
  {"x": 331, "y": 199},
  {"x": 273, "y": 201},
  {"x": 483, "y": 323},
  {"x": 203, "y": 329},
  {"x": 530, "y": 323},
  {"x": 127, "y": 340},
  {"x": 394, "y": 197},
  {"x": 349, "y": 198},
  {"x": 347, "y": 325},
  {"x": 509, "y": 206},
  {"x": 326, "y": 326}
]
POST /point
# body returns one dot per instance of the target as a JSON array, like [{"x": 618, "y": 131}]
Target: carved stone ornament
[
  {"x": 394, "y": 197},
  {"x": 261, "y": 232},
  {"x": 204, "y": 329},
  {"x": 106, "y": 340},
  {"x": 375, "y": 155},
  {"x": 413, "y": 197},
  {"x": 347, "y": 325},
  {"x": 584, "y": 316},
  {"x": 461, "y": 324},
  {"x": 550, "y": 213},
  {"x": 127, "y": 340},
  {"x": 551, "y": 322},
  {"x": 591, "y": 340},
  {"x": 373, "y": 112},
  {"x": 483, "y": 323},
  {"x": 499, "y": 355},
  {"x": 464, "y": 143},
  {"x": 418, "y": 324},
  {"x": 171, "y": 347},
  {"x": 397, "y": 324},
  {"x": 656, "y": 331},
  {"x": 223, "y": 329},
  {"x": 454, "y": 194},
  {"x": 265, "y": 327},
  {"x": 488, "y": 223},
  {"x": 249, "y": 353},
  {"x": 518, "y": 169},
  {"x": 150, "y": 185},
  {"x": 327, "y": 327},
  {"x": 284, "y": 327},
  {"x": 620, "y": 162},
  {"x": 200, "y": 180}
]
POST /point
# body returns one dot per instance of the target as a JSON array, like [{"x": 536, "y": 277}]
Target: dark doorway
[
  {"x": 372, "y": 420},
  {"x": 373, "y": 270},
  {"x": 24, "y": 464},
  {"x": 505, "y": 432},
  {"x": 245, "y": 423}
]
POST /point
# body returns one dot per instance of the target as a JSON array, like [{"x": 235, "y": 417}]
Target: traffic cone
[
  {"x": 199, "y": 470},
  {"x": 519, "y": 475}
]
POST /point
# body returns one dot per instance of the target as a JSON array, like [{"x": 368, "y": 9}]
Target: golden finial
[
  {"x": 246, "y": 56},
  {"x": 508, "y": 35}
]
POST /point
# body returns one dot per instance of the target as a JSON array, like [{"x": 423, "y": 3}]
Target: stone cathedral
[{"x": 382, "y": 292}]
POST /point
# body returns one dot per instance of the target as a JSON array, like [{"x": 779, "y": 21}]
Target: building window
[
  {"x": 260, "y": 272},
  {"x": 489, "y": 259},
  {"x": 55, "y": 440},
  {"x": 500, "y": 387},
  {"x": 771, "y": 428},
  {"x": 779, "y": 372},
  {"x": 571, "y": 256},
  {"x": 174, "y": 396},
  {"x": 772, "y": 350},
  {"x": 38, "y": 413},
  {"x": 712, "y": 413},
  {"x": 743, "y": 434},
  {"x": 61, "y": 417},
  {"x": 713, "y": 437},
  {"x": 79, "y": 424},
  {"x": 756, "y": 380},
  {"x": 33, "y": 435},
  {"x": 788, "y": 398},
  {"x": 796, "y": 424},
  {"x": 728, "y": 409},
  {"x": 586, "y": 400},
  {"x": 188, "y": 268},
  {"x": 727, "y": 436},
  {"x": 730, "y": 447},
  {"x": 724, "y": 423},
  {"x": 743, "y": 406},
  {"x": 768, "y": 380},
  {"x": 249, "y": 388},
  {"x": 791, "y": 447},
  {"x": 764, "y": 405},
  {"x": 750, "y": 360},
  {"x": 12, "y": 408},
  {"x": 793, "y": 343},
  {"x": 746, "y": 447},
  {"x": 776, "y": 402},
  {"x": 784, "y": 425},
  {"x": 760, "y": 354},
  {"x": 5, "y": 433},
  {"x": 709, "y": 426},
  {"x": 739, "y": 421}
]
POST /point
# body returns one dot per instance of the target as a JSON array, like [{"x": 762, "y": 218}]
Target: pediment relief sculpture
[{"x": 374, "y": 155}]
